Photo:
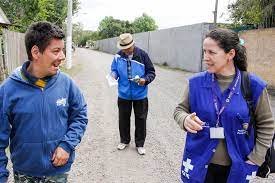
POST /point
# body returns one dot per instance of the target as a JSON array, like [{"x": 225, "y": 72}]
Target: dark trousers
[
  {"x": 124, "y": 112},
  {"x": 217, "y": 173}
]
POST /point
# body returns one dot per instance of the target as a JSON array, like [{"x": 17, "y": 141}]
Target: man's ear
[{"x": 35, "y": 52}]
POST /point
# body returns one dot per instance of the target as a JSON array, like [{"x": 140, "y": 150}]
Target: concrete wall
[
  {"x": 179, "y": 47},
  {"x": 260, "y": 45},
  {"x": 109, "y": 45}
]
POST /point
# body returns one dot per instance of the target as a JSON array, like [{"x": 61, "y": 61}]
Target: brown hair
[{"x": 227, "y": 40}]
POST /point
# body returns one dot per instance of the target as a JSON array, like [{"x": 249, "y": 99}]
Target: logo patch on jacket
[
  {"x": 187, "y": 166},
  {"x": 61, "y": 101}
]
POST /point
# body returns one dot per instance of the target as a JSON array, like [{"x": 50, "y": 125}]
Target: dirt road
[{"x": 97, "y": 159}]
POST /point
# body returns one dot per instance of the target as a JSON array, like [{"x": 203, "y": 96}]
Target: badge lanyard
[{"x": 228, "y": 99}]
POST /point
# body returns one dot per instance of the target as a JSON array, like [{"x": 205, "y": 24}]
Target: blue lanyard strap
[{"x": 227, "y": 100}]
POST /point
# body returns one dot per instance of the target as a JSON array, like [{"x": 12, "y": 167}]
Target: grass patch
[{"x": 73, "y": 71}]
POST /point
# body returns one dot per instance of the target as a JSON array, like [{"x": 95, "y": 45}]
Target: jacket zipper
[
  {"x": 42, "y": 128},
  {"x": 130, "y": 65}
]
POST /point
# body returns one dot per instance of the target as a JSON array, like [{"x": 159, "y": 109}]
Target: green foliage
[
  {"x": 77, "y": 32},
  {"x": 110, "y": 27},
  {"x": 22, "y": 13},
  {"x": 255, "y": 12},
  {"x": 81, "y": 37},
  {"x": 144, "y": 23},
  {"x": 88, "y": 37},
  {"x": 268, "y": 9},
  {"x": 245, "y": 12},
  {"x": 237, "y": 27}
]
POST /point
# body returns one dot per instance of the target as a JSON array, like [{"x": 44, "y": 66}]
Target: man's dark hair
[{"x": 40, "y": 34}]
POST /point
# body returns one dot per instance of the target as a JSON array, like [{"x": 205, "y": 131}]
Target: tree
[
  {"x": 144, "y": 23},
  {"x": 88, "y": 37},
  {"x": 268, "y": 9},
  {"x": 77, "y": 32},
  {"x": 22, "y": 13},
  {"x": 110, "y": 27},
  {"x": 245, "y": 12},
  {"x": 257, "y": 12},
  {"x": 81, "y": 37}
]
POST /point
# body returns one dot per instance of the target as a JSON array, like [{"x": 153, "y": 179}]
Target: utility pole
[
  {"x": 215, "y": 13},
  {"x": 69, "y": 36}
]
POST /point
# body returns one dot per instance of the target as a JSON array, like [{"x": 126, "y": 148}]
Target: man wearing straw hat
[{"x": 134, "y": 70}]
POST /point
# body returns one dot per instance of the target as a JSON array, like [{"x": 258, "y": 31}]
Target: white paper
[
  {"x": 135, "y": 79},
  {"x": 111, "y": 81}
]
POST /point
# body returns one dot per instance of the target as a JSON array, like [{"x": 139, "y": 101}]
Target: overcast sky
[{"x": 166, "y": 13}]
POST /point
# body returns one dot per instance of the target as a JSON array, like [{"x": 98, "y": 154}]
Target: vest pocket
[
  {"x": 242, "y": 172},
  {"x": 195, "y": 140}
]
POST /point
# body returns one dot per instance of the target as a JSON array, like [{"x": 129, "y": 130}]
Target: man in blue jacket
[
  {"x": 43, "y": 114},
  {"x": 134, "y": 71}
]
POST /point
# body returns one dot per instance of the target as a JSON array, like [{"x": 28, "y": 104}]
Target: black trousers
[
  {"x": 124, "y": 112},
  {"x": 217, "y": 173}
]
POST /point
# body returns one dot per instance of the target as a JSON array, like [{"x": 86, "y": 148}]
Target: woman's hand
[
  {"x": 192, "y": 123},
  {"x": 250, "y": 162}
]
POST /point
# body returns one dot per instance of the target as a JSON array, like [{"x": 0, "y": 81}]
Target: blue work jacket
[
  {"x": 199, "y": 148},
  {"x": 126, "y": 69},
  {"x": 35, "y": 122}
]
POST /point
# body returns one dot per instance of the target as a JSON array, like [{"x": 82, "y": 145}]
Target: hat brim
[{"x": 124, "y": 47}]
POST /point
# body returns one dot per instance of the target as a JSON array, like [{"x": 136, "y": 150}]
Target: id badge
[{"x": 217, "y": 133}]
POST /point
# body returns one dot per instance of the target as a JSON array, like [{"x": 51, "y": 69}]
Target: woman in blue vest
[{"x": 220, "y": 143}]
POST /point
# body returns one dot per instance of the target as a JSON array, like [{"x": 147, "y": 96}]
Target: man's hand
[
  {"x": 113, "y": 74},
  {"x": 60, "y": 157},
  {"x": 141, "y": 82}
]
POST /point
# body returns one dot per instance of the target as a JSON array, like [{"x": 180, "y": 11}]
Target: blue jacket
[
  {"x": 199, "y": 148},
  {"x": 125, "y": 69},
  {"x": 37, "y": 121}
]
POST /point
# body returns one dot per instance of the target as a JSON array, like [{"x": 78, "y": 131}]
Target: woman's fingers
[
  {"x": 196, "y": 118},
  {"x": 190, "y": 130},
  {"x": 193, "y": 123}
]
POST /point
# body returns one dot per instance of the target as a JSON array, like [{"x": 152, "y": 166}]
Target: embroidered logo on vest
[{"x": 187, "y": 166}]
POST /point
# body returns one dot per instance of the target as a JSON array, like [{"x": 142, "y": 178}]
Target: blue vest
[{"x": 199, "y": 148}]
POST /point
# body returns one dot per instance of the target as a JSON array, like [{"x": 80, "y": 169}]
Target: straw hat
[{"x": 125, "y": 41}]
